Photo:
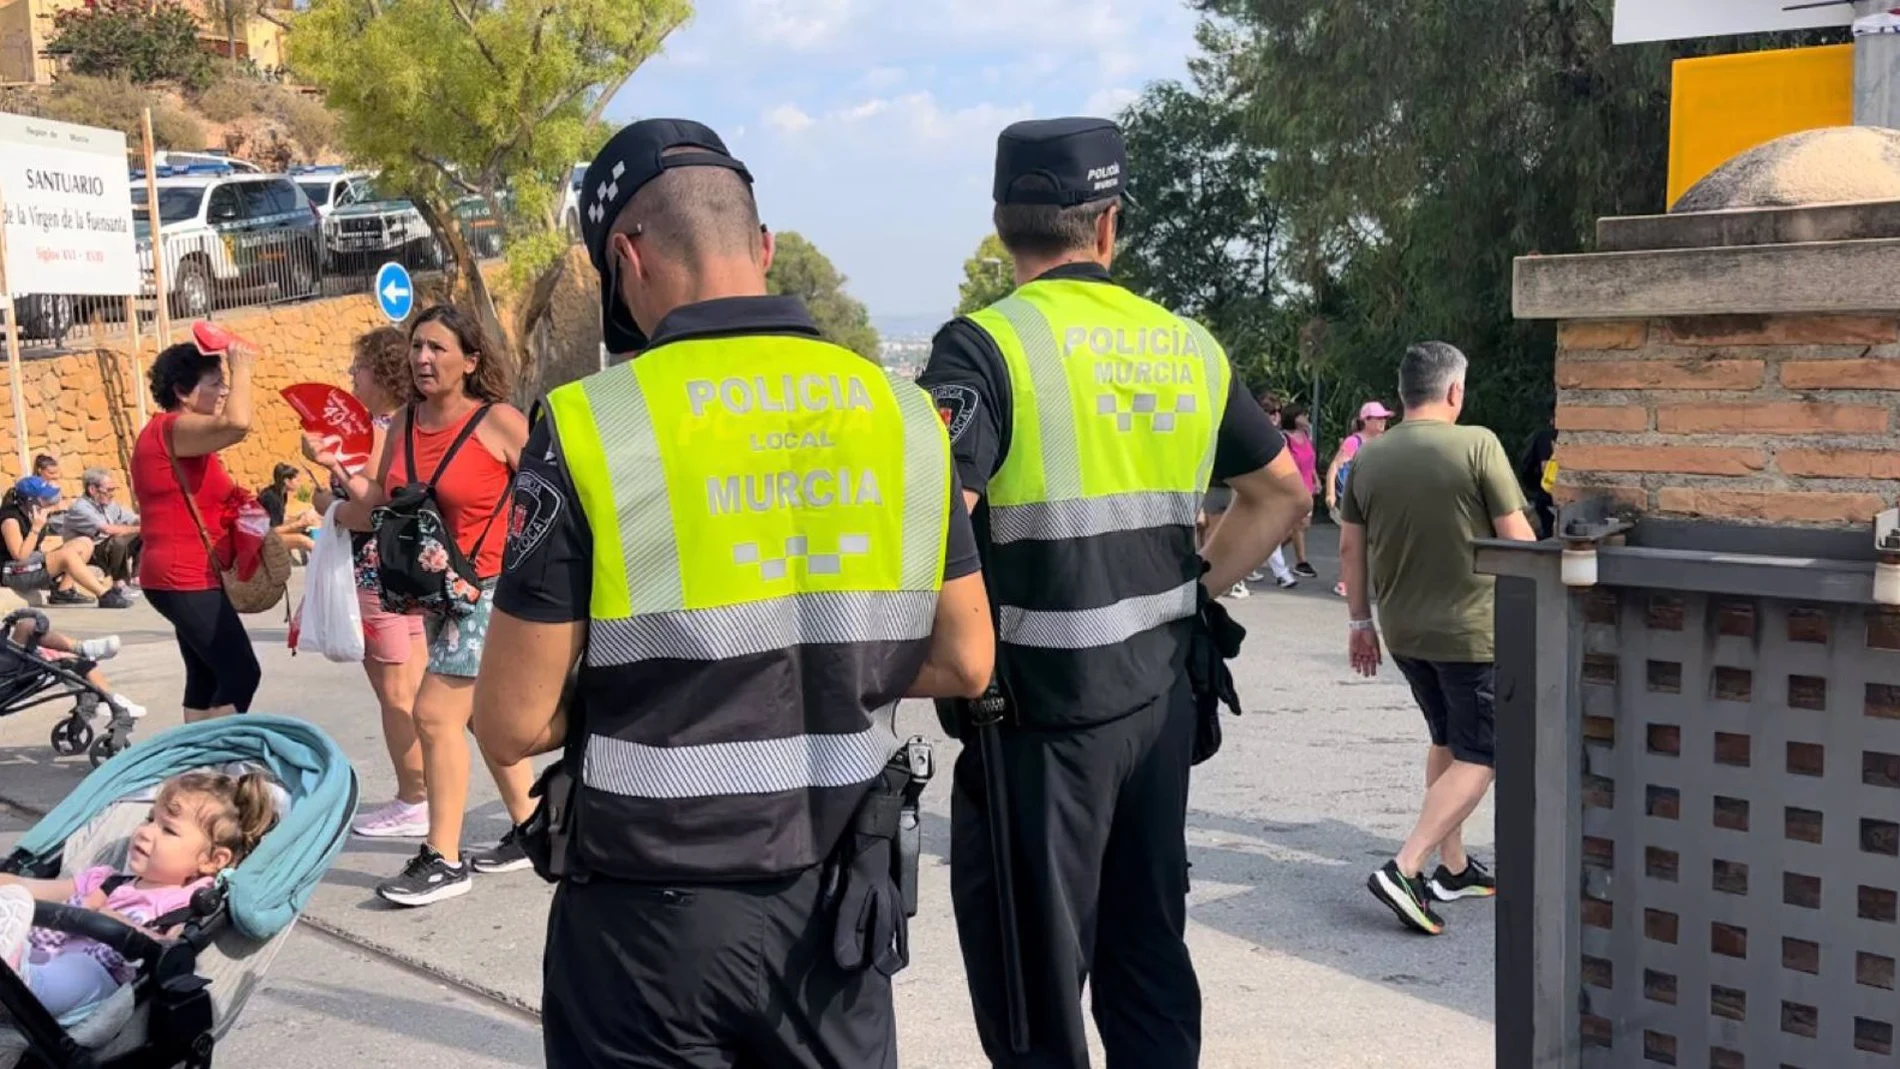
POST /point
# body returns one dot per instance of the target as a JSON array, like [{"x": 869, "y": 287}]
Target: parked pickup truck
[{"x": 368, "y": 229}]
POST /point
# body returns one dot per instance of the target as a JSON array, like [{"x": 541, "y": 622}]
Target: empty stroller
[
  {"x": 187, "y": 992},
  {"x": 28, "y": 679}
]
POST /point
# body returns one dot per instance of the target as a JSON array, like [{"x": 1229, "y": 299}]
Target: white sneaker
[
  {"x": 395, "y": 819},
  {"x": 1240, "y": 591},
  {"x": 99, "y": 649},
  {"x": 1258, "y": 575},
  {"x": 128, "y": 707},
  {"x": 1287, "y": 583}
]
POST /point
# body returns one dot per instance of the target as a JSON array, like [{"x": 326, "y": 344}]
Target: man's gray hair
[
  {"x": 1427, "y": 373},
  {"x": 93, "y": 478}
]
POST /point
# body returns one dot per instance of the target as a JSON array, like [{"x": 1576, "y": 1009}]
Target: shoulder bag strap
[
  {"x": 191, "y": 503},
  {"x": 454, "y": 447}
]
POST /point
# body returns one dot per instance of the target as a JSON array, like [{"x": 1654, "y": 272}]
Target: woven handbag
[{"x": 267, "y": 583}]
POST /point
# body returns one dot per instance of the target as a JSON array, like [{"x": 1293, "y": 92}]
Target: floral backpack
[{"x": 419, "y": 566}]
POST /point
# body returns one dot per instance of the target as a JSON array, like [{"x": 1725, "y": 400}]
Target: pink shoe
[
  {"x": 394, "y": 820},
  {"x": 16, "y": 920}
]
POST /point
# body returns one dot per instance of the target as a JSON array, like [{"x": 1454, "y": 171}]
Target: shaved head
[{"x": 690, "y": 215}]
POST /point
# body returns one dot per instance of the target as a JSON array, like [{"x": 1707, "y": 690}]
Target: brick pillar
[{"x": 1707, "y": 370}]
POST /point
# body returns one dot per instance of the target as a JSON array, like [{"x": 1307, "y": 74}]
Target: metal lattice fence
[{"x": 1704, "y": 802}]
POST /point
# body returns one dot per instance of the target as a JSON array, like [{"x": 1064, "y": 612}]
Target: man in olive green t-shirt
[{"x": 1418, "y": 497}]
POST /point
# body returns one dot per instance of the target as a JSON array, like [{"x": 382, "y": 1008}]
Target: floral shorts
[{"x": 455, "y": 642}]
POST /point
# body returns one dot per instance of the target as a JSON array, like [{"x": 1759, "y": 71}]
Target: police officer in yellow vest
[
  {"x": 753, "y": 543},
  {"x": 1089, "y": 421}
]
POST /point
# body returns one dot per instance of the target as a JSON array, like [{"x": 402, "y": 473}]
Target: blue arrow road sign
[{"x": 394, "y": 293}]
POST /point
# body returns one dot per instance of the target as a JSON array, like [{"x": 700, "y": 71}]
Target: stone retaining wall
[{"x": 83, "y": 407}]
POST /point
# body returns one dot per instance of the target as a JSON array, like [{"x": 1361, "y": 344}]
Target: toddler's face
[{"x": 171, "y": 847}]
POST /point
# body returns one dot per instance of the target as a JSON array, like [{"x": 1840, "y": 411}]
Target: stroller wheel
[
  {"x": 105, "y": 749},
  {"x": 71, "y": 736}
]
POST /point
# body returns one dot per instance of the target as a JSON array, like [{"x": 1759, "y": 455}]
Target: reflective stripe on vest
[
  {"x": 747, "y": 495},
  {"x": 1116, "y": 403}
]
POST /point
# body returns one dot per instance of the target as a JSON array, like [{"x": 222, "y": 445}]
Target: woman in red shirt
[
  {"x": 460, "y": 378},
  {"x": 205, "y": 406}
]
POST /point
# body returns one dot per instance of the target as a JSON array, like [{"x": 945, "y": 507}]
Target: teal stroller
[{"x": 188, "y": 991}]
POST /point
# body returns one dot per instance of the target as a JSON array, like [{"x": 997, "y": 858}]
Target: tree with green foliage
[
  {"x": 989, "y": 275},
  {"x": 133, "y": 40},
  {"x": 800, "y": 270},
  {"x": 452, "y": 99},
  {"x": 1407, "y": 153}
]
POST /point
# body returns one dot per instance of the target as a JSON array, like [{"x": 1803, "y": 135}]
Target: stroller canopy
[{"x": 267, "y": 889}]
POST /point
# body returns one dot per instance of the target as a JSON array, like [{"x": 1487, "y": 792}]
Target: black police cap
[
  {"x": 1080, "y": 159},
  {"x": 636, "y": 155}
]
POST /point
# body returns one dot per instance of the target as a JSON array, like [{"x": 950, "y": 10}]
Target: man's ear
[
  {"x": 1105, "y": 225},
  {"x": 767, "y": 245}
]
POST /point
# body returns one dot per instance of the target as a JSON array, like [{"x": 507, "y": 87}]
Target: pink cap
[{"x": 1374, "y": 410}]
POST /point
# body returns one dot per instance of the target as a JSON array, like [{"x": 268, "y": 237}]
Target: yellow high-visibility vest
[{"x": 1116, "y": 404}]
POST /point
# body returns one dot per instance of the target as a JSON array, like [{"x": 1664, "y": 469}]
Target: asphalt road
[{"x": 1316, "y": 786}]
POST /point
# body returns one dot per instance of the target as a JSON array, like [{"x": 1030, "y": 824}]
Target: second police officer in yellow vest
[
  {"x": 753, "y": 543},
  {"x": 1089, "y": 422}
]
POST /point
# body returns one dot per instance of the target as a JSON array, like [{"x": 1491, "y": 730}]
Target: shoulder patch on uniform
[
  {"x": 537, "y": 505},
  {"x": 957, "y": 405}
]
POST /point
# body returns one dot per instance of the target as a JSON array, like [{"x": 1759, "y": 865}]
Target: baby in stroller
[
  {"x": 40, "y": 665},
  {"x": 201, "y": 824}
]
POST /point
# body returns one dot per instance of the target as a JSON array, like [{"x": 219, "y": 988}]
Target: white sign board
[
  {"x": 68, "y": 201},
  {"x": 1668, "y": 20}
]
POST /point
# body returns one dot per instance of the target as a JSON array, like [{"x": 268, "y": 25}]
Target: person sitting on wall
[
  {"x": 277, "y": 498},
  {"x": 26, "y": 566},
  {"x": 113, "y": 528}
]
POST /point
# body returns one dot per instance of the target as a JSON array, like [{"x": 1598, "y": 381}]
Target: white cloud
[
  {"x": 788, "y": 119},
  {"x": 800, "y": 24},
  {"x": 919, "y": 120},
  {"x": 1108, "y": 102}
]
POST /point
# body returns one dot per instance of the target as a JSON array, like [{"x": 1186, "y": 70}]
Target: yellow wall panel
[{"x": 1722, "y": 106}]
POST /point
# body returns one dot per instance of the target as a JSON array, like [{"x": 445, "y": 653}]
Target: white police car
[{"x": 225, "y": 233}]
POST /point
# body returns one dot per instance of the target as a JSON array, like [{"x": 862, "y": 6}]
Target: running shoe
[
  {"x": 99, "y": 649},
  {"x": 396, "y": 819},
  {"x": 67, "y": 597},
  {"x": 1405, "y": 897},
  {"x": 1305, "y": 571},
  {"x": 428, "y": 878},
  {"x": 1287, "y": 583},
  {"x": 505, "y": 856},
  {"x": 1240, "y": 591},
  {"x": 1475, "y": 882},
  {"x": 1258, "y": 575},
  {"x": 133, "y": 710},
  {"x": 114, "y": 599}
]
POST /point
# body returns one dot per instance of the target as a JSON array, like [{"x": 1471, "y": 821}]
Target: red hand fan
[
  {"x": 334, "y": 416},
  {"x": 212, "y": 338}
]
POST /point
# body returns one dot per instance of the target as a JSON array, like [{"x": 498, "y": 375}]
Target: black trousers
[
  {"x": 1100, "y": 845},
  {"x": 734, "y": 976}
]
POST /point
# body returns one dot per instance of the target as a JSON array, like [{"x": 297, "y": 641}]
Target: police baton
[{"x": 987, "y": 713}]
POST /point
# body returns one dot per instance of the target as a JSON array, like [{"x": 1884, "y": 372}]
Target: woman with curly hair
[
  {"x": 394, "y": 652},
  {"x": 204, "y": 403},
  {"x": 458, "y": 380}
]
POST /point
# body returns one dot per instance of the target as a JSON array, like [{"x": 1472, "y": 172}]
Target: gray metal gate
[{"x": 1698, "y": 804}]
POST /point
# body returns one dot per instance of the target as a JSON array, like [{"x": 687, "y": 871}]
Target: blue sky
[{"x": 870, "y": 125}]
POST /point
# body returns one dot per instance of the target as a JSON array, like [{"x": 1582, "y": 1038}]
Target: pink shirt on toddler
[{"x": 142, "y": 905}]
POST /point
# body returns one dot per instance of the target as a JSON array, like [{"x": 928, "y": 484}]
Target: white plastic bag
[{"x": 329, "y": 621}]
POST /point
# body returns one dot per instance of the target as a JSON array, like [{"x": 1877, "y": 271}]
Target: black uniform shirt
[
  {"x": 967, "y": 378},
  {"x": 547, "y": 571}
]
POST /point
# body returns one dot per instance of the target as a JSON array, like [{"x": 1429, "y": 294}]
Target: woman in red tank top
[
  {"x": 204, "y": 405},
  {"x": 459, "y": 377}
]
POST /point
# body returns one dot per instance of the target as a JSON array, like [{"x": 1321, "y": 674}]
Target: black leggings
[{"x": 220, "y": 667}]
